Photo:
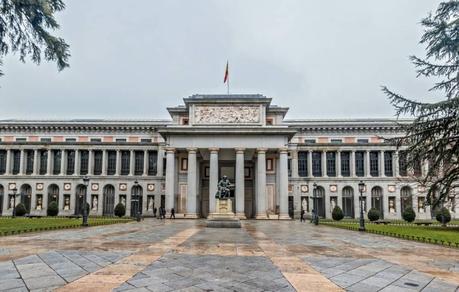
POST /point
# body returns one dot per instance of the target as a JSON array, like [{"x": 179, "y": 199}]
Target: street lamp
[
  {"x": 136, "y": 199},
  {"x": 362, "y": 221},
  {"x": 315, "y": 215},
  {"x": 15, "y": 190},
  {"x": 85, "y": 201}
]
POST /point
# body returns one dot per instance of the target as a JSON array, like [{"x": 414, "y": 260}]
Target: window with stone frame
[
  {"x": 345, "y": 163},
  {"x": 84, "y": 162},
  {"x": 374, "y": 163},
  {"x": 417, "y": 168},
  {"x": 402, "y": 163},
  {"x": 138, "y": 163},
  {"x": 70, "y": 162},
  {"x": 359, "y": 163},
  {"x": 111, "y": 162},
  {"x": 388, "y": 167},
  {"x": 317, "y": 163},
  {"x": 303, "y": 163},
  {"x": 125, "y": 162},
  {"x": 29, "y": 161},
  {"x": 331, "y": 163},
  {"x": 152, "y": 162},
  {"x": 57, "y": 155},
  {"x": 3, "y": 154},
  {"x": 43, "y": 162},
  {"x": 16, "y": 161},
  {"x": 98, "y": 157}
]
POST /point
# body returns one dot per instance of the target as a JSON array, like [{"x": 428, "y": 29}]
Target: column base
[
  {"x": 261, "y": 216},
  {"x": 191, "y": 216},
  {"x": 284, "y": 217},
  {"x": 241, "y": 216}
]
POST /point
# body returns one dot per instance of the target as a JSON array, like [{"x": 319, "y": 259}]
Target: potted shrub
[
  {"x": 443, "y": 216},
  {"x": 337, "y": 213},
  {"x": 53, "y": 209},
  {"x": 20, "y": 210},
  {"x": 409, "y": 215},
  {"x": 120, "y": 210},
  {"x": 373, "y": 214}
]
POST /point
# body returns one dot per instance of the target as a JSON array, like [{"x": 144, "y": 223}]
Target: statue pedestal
[{"x": 224, "y": 216}]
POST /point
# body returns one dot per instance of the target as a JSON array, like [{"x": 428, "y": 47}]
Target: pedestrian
[
  {"x": 154, "y": 212},
  {"x": 313, "y": 213},
  {"x": 302, "y": 219},
  {"x": 164, "y": 213},
  {"x": 172, "y": 213}
]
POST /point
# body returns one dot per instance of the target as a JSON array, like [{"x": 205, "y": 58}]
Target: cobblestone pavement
[{"x": 184, "y": 255}]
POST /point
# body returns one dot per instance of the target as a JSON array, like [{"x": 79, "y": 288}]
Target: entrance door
[
  {"x": 290, "y": 206},
  {"x": 79, "y": 199},
  {"x": 109, "y": 200}
]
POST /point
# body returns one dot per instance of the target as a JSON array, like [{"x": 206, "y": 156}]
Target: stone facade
[{"x": 276, "y": 165}]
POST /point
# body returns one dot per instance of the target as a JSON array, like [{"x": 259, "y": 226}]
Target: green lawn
[
  {"x": 17, "y": 225},
  {"x": 432, "y": 234}
]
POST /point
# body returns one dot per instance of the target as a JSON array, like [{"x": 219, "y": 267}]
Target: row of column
[
  {"x": 381, "y": 163},
  {"x": 77, "y": 162},
  {"x": 239, "y": 181}
]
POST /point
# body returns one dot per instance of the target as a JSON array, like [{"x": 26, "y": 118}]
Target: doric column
[
  {"x": 159, "y": 163},
  {"x": 104, "y": 162},
  {"x": 213, "y": 178},
  {"x": 338, "y": 163},
  {"x": 395, "y": 164},
  {"x": 131, "y": 162},
  {"x": 261, "y": 183},
  {"x": 64, "y": 154},
  {"x": 294, "y": 164},
  {"x": 283, "y": 184},
  {"x": 8, "y": 162},
  {"x": 36, "y": 162},
  {"x": 118, "y": 162},
  {"x": 367, "y": 163},
  {"x": 381, "y": 164},
  {"x": 145, "y": 162},
  {"x": 91, "y": 162},
  {"x": 352, "y": 163},
  {"x": 49, "y": 165},
  {"x": 310, "y": 163},
  {"x": 240, "y": 183},
  {"x": 77, "y": 162},
  {"x": 191, "y": 184},
  {"x": 324, "y": 164},
  {"x": 21, "y": 162},
  {"x": 170, "y": 179}
]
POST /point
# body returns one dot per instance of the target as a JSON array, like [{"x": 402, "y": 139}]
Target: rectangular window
[
  {"x": 98, "y": 156},
  {"x": 317, "y": 163},
  {"x": 309, "y": 141},
  {"x": 125, "y": 162},
  {"x": 111, "y": 163},
  {"x": 152, "y": 161},
  {"x": 16, "y": 161},
  {"x": 402, "y": 164},
  {"x": 70, "y": 139},
  {"x": 289, "y": 167},
  {"x": 359, "y": 163},
  {"x": 43, "y": 162},
  {"x": 121, "y": 140},
  {"x": 303, "y": 164},
  {"x": 70, "y": 162},
  {"x": 29, "y": 161},
  {"x": 145, "y": 140},
  {"x": 3, "y": 155},
  {"x": 57, "y": 161},
  {"x": 84, "y": 162},
  {"x": 362, "y": 141},
  {"x": 388, "y": 169},
  {"x": 336, "y": 141},
  {"x": 417, "y": 168},
  {"x": 21, "y": 139},
  {"x": 345, "y": 164},
  {"x": 138, "y": 167},
  {"x": 46, "y": 140},
  {"x": 331, "y": 163},
  {"x": 96, "y": 140},
  {"x": 374, "y": 163}
]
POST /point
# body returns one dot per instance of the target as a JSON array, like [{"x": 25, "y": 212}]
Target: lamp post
[
  {"x": 15, "y": 190},
  {"x": 362, "y": 221},
  {"x": 136, "y": 200},
  {"x": 85, "y": 201},
  {"x": 314, "y": 196}
]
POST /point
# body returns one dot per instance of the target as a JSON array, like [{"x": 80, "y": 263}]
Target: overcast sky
[{"x": 132, "y": 59}]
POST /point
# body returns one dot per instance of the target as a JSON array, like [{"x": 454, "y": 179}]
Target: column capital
[
  {"x": 214, "y": 149},
  {"x": 262, "y": 150},
  {"x": 169, "y": 149},
  {"x": 192, "y": 149},
  {"x": 283, "y": 150},
  {"x": 239, "y": 150}
]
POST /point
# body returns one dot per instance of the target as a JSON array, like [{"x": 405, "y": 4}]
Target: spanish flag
[{"x": 226, "y": 73}]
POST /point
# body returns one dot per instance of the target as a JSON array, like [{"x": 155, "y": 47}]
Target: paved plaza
[{"x": 184, "y": 255}]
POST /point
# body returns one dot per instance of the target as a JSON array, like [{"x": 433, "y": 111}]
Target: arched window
[
  {"x": 26, "y": 196},
  {"x": 136, "y": 200},
  {"x": 377, "y": 200},
  {"x": 53, "y": 194},
  {"x": 2, "y": 193},
  {"x": 348, "y": 202},
  {"x": 109, "y": 200},
  {"x": 406, "y": 197}
]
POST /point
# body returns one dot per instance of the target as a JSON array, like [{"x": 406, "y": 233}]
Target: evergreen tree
[
  {"x": 433, "y": 134},
  {"x": 25, "y": 29}
]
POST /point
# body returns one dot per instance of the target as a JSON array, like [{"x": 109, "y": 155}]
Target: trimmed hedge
[
  {"x": 337, "y": 213},
  {"x": 53, "y": 209},
  {"x": 120, "y": 210},
  {"x": 20, "y": 210},
  {"x": 373, "y": 214},
  {"x": 446, "y": 216},
  {"x": 408, "y": 215}
]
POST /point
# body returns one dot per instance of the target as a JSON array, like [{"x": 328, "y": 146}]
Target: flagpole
[{"x": 227, "y": 85}]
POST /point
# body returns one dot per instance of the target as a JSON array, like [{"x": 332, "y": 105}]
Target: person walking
[
  {"x": 154, "y": 212},
  {"x": 302, "y": 219},
  {"x": 172, "y": 213}
]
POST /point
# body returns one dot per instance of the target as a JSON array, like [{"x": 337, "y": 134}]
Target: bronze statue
[{"x": 223, "y": 188}]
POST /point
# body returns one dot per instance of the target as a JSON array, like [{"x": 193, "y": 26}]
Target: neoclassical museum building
[{"x": 277, "y": 166}]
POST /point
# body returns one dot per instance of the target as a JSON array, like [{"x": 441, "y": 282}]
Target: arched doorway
[
  {"x": 109, "y": 200},
  {"x": 320, "y": 201},
  {"x": 406, "y": 198},
  {"x": 377, "y": 200},
  {"x": 2, "y": 193},
  {"x": 348, "y": 202},
  {"x": 26, "y": 196},
  {"x": 53, "y": 194},
  {"x": 79, "y": 199},
  {"x": 136, "y": 200}
]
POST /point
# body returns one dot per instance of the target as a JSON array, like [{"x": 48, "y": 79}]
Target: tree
[
  {"x": 409, "y": 215},
  {"x": 337, "y": 213},
  {"x": 373, "y": 214},
  {"x": 120, "y": 210},
  {"x": 53, "y": 209},
  {"x": 433, "y": 134},
  {"x": 20, "y": 210},
  {"x": 25, "y": 29}
]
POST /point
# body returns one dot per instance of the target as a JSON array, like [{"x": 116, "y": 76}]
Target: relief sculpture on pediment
[{"x": 227, "y": 114}]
